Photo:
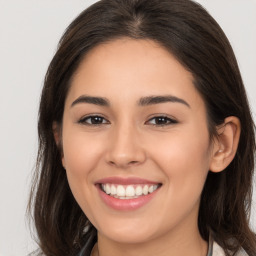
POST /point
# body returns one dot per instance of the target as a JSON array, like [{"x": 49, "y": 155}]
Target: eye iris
[
  {"x": 161, "y": 120},
  {"x": 96, "y": 120}
]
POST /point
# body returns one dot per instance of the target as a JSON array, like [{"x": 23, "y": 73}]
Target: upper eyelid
[
  {"x": 162, "y": 115},
  {"x": 172, "y": 121},
  {"x": 91, "y": 116}
]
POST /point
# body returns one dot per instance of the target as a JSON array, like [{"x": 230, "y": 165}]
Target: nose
[{"x": 125, "y": 148}]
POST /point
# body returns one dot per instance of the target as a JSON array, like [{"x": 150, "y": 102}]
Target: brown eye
[
  {"x": 93, "y": 120},
  {"x": 161, "y": 121}
]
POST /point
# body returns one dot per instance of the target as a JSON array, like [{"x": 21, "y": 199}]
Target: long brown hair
[{"x": 186, "y": 30}]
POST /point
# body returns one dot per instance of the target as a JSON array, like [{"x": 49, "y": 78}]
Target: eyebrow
[
  {"x": 100, "y": 101},
  {"x": 144, "y": 101},
  {"x": 151, "y": 100}
]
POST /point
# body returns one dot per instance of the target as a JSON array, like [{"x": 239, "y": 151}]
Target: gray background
[{"x": 29, "y": 32}]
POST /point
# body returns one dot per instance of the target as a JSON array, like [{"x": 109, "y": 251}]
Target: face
[{"x": 136, "y": 146}]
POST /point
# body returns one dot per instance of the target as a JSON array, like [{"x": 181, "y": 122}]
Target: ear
[
  {"x": 56, "y": 129},
  {"x": 226, "y": 144}
]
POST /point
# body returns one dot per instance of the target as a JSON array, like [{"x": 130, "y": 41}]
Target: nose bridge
[{"x": 125, "y": 147}]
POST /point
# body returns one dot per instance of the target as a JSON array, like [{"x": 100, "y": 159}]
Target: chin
[
  {"x": 130, "y": 231},
  {"x": 132, "y": 237}
]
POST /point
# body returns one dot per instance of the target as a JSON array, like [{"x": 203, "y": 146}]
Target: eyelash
[
  {"x": 167, "y": 120},
  {"x": 84, "y": 120},
  {"x": 98, "y": 118}
]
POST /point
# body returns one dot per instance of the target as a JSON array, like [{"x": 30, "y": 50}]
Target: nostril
[
  {"x": 133, "y": 162},
  {"x": 113, "y": 163}
]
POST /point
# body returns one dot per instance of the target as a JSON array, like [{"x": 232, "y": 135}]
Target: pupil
[
  {"x": 161, "y": 120},
  {"x": 96, "y": 120}
]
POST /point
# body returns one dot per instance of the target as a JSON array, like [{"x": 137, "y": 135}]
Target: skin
[{"x": 129, "y": 143}]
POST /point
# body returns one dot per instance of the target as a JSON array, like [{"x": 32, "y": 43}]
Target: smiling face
[{"x": 136, "y": 146}]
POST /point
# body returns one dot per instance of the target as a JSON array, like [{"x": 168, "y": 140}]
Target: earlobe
[{"x": 226, "y": 144}]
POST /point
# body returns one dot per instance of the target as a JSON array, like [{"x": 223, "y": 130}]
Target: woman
[{"x": 146, "y": 137}]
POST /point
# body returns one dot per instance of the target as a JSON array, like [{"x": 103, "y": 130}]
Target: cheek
[
  {"x": 80, "y": 152},
  {"x": 184, "y": 158},
  {"x": 182, "y": 148}
]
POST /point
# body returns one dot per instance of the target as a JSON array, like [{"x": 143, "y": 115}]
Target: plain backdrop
[{"x": 29, "y": 33}]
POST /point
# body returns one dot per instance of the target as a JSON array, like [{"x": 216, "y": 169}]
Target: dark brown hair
[{"x": 186, "y": 30}]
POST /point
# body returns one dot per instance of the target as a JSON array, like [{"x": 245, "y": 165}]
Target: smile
[
  {"x": 127, "y": 194},
  {"x": 128, "y": 191}
]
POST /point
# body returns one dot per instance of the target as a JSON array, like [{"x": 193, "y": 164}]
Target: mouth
[
  {"x": 131, "y": 191},
  {"x": 126, "y": 194}
]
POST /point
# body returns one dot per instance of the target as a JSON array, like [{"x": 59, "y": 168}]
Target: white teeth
[
  {"x": 108, "y": 190},
  {"x": 120, "y": 191},
  {"x": 113, "y": 190},
  {"x": 128, "y": 192},
  {"x": 145, "y": 190},
  {"x": 138, "y": 191},
  {"x": 151, "y": 189}
]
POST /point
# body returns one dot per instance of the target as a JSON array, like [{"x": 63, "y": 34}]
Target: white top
[{"x": 218, "y": 251}]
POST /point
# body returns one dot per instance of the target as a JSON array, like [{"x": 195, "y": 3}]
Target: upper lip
[{"x": 125, "y": 181}]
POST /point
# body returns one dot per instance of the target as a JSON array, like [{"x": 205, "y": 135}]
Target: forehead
[{"x": 132, "y": 68}]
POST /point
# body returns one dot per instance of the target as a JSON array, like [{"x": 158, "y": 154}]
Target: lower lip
[{"x": 126, "y": 204}]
